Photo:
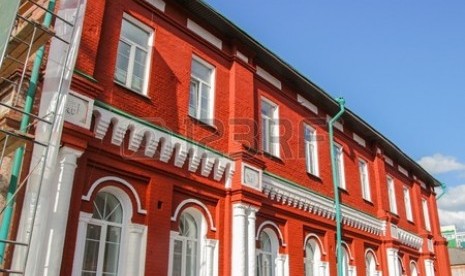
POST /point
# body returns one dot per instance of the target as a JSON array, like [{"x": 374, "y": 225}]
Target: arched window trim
[
  {"x": 119, "y": 180},
  {"x": 274, "y": 240},
  {"x": 180, "y": 209},
  {"x": 320, "y": 243},
  {"x": 370, "y": 250},
  {"x": 414, "y": 263},
  {"x": 346, "y": 246},
  {"x": 275, "y": 230}
]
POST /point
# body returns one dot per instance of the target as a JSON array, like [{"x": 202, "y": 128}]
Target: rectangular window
[
  {"x": 270, "y": 127},
  {"x": 201, "y": 91},
  {"x": 364, "y": 179},
  {"x": 408, "y": 204},
  {"x": 311, "y": 150},
  {"x": 424, "y": 204},
  {"x": 339, "y": 162},
  {"x": 392, "y": 195},
  {"x": 132, "y": 61}
]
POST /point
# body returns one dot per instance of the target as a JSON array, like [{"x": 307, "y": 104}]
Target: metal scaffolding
[{"x": 25, "y": 124}]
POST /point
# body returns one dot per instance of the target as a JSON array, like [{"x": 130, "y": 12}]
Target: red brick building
[{"x": 191, "y": 149}]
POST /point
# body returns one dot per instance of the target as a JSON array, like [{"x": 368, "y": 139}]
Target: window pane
[
  {"x": 177, "y": 258},
  {"x": 112, "y": 245},
  {"x": 134, "y": 33},
  {"x": 122, "y": 62},
  {"x": 193, "y": 98},
  {"x": 205, "y": 102},
  {"x": 91, "y": 248},
  {"x": 267, "y": 109},
  {"x": 191, "y": 258},
  {"x": 201, "y": 71}
]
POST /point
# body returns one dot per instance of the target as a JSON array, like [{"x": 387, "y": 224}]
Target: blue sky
[{"x": 400, "y": 65}]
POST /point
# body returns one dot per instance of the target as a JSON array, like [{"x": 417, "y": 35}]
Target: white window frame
[
  {"x": 270, "y": 140},
  {"x": 274, "y": 252},
  {"x": 207, "y": 264},
  {"x": 211, "y": 97},
  {"x": 339, "y": 162},
  {"x": 315, "y": 262},
  {"x": 424, "y": 205},
  {"x": 133, "y": 45},
  {"x": 364, "y": 179},
  {"x": 392, "y": 195},
  {"x": 311, "y": 151},
  {"x": 128, "y": 264},
  {"x": 408, "y": 204}
]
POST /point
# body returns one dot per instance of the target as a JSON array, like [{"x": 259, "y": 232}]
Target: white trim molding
[
  {"x": 307, "y": 104},
  {"x": 406, "y": 238},
  {"x": 275, "y": 226},
  {"x": 303, "y": 199},
  {"x": 268, "y": 77},
  {"x": 196, "y": 202},
  {"x": 200, "y": 31},
  {"x": 320, "y": 244},
  {"x": 169, "y": 145},
  {"x": 99, "y": 181},
  {"x": 159, "y": 4}
]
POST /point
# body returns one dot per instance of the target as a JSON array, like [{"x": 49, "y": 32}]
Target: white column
[
  {"x": 60, "y": 199},
  {"x": 280, "y": 265},
  {"x": 239, "y": 250},
  {"x": 429, "y": 267},
  {"x": 392, "y": 261},
  {"x": 135, "y": 249},
  {"x": 210, "y": 256},
  {"x": 252, "y": 260}
]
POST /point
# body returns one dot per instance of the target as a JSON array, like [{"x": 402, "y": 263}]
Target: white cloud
[
  {"x": 439, "y": 163},
  {"x": 452, "y": 207}
]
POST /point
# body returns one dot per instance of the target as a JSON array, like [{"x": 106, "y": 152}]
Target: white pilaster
[
  {"x": 392, "y": 261},
  {"x": 280, "y": 265},
  {"x": 210, "y": 256},
  {"x": 239, "y": 250},
  {"x": 60, "y": 199},
  {"x": 252, "y": 260},
  {"x": 429, "y": 267},
  {"x": 135, "y": 249}
]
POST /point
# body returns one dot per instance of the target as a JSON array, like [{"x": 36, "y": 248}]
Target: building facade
[{"x": 190, "y": 149}]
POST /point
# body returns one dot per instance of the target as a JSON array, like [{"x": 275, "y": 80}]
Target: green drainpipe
[
  {"x": 18, "y": 157},
  {"x": 444, "y": 190},
  {"x": 337, "y": 204}
]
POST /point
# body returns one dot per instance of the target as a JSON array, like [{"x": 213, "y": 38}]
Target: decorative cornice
[
  {"x": 406, "y": 238},
  {"x": 304, "y": 199},
  {"x": 168, "y": 144}
]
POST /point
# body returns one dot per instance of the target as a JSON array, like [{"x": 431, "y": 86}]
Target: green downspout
[
  {"x": 18, "y": 157},
  {"x": 337, "y": 204},
  {"x": 444, "y": 190}
]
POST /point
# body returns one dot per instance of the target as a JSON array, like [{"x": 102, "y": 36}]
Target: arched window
[
  {"x": 186, "y": 247},
  {"x": 103, "y": 237},
  {"x": 312, "y": 258},
  {"x": 413, "y": 269},
  {"x": 400, "y": 267},
  {"x": 265, "y": 256},
  {"x": 345, "y": 262},
  {"x": 370, "y": 264}
]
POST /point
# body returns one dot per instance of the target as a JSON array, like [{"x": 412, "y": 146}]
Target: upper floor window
[
  {"x": 408, "y": 204},
  {"x": 424, "y": 205},
  {"x": 270, "y": 127},
  {"x": 201, "y": 91},
  {"x": 370, "y": 264},
  {"x": 103, "y": 238},
  {"x": 133, "y": 58},
  {"x": 391, "y": 195},
  {"x": 339, "y": 163},
  {"x": 311, "y": 150},
  {"x": 364, "y": 179}
]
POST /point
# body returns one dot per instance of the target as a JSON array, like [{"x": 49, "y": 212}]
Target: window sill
[
  {"x": 368, "y": 201},
  {"x": 131, "y": 90},
  {"x": 272, "y": 156},
  {"x": 314, "y": 176},
  {"x": 203, "y": 124}
]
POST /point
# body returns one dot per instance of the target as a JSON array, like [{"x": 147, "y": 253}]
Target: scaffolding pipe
[
  {"x": 337, "y": 204},
  {"x": 444, "y": 190},
  {"x": 19, "y": 153}
]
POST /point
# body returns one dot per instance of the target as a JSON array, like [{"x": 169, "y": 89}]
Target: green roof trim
[{"x": 146, "y": 123}]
